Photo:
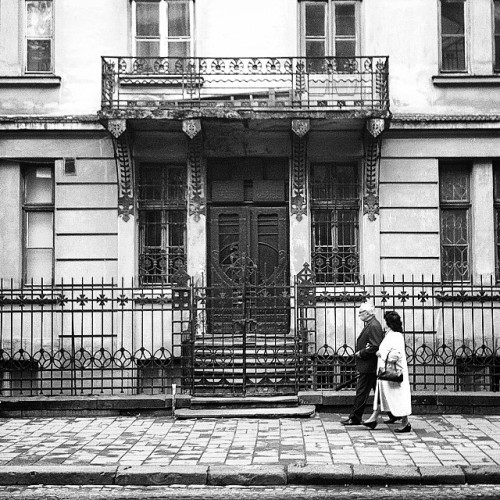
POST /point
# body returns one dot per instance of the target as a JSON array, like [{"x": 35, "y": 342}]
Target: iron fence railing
[
  {"x": 246, "y": 83},
  {"x": 92, "y": 338}
]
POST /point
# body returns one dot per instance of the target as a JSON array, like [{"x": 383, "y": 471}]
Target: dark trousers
[{"x": 365, "y": 383}]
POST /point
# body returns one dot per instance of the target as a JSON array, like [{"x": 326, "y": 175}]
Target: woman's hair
[{"x": 393, "y": 321}]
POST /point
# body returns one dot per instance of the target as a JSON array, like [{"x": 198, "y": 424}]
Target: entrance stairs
[{"x": 246, "y": 407}]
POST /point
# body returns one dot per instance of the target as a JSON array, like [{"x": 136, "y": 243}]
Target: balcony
[{"x": 152, "y": 87}]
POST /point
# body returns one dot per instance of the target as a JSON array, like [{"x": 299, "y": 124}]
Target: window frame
[
  {"x": 163, "y": 37},
  {"x": 333, "y": 207},
  {"x": 466, "y": 37},
  {"x": 28, "y": 208},
  {"x": 496, "y": 210},
  {"x": 330, "y": 28},
  {"x": 495, "y": 35},
  {"x": 164, "y": 208},
  {"x": 450, "y": 205},
  {"x": 26, "y": 70}
]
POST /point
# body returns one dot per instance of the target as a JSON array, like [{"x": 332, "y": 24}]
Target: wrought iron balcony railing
[{"x": 256, "y": 84}]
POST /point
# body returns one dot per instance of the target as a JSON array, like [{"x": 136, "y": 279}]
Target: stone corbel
[
  {"x": 298, "y": 199},
  {"x": 372, "y": 148},
  {"x": 196, "y": 169},
  {"x": 124, "y": 167}
]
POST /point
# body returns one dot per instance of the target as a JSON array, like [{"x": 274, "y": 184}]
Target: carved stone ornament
[
  {"x": 301, "y": 127},
  {"x": 371, "y": 176},
  {"x": 124, "y": 167},
  {"x": 117, "y": 127},
  {"x": 375, "y": 126},
  {"x": 196, "y": 179},
  {"x": 298, "y": 199},
  {"x": 191, "y": 127}
]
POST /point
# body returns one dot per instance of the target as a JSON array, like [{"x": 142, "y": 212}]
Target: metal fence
[
  {"x": 246, "y": 83},
  {"x": 93, "y": 338}
]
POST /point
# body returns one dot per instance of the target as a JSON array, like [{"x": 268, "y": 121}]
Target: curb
[{"x": 252, "y": 475}]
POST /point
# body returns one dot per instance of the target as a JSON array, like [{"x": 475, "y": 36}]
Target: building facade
[{"x": 201, "y": 192}]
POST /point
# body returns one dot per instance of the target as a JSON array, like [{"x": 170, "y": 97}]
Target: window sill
[
  {"x": 30, "y": 81},
  {"x": 465, "y": 80}
]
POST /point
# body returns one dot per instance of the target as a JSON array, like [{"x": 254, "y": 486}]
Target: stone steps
[{"x": 305, "y": 411}]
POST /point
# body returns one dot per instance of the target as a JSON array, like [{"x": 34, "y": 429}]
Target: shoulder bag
[{"x": 390, "y": 373}]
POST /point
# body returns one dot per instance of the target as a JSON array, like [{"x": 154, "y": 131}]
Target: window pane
[
  {"x": 39, "y": 265},
  {"x": 178, "y": 19},
  {"x": 38, "y": 55},
  {"x": 452, "y": 19},
  {"x": 147, "y": 49},
  {"x": 453, "y": 54},
  {"x": 38, "y": 185},
  {"x": 39, "y": 19},
  {"x": 39, "y": 232},
  {"x": 345, "y": 21},
  {"x": 315, "y": 20},
  {"x": 147, "y": 15},
  {"x": 454, "y": 183},
  {"x": 315, "y": 49},
  {"x": 178, "y": 49},
  {"x": 497, "y": 52},
  {"x": 345, "y": 48}
]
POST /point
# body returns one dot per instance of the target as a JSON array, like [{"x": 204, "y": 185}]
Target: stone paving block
[
  {"x": 319, "y": 474},
  {"x": 251, "y": 475},
  {"x": 56, "y": 474},
  {"x": 442, "y": 475},
  {"x": 148, "y": 475},
  {"x": 385, "y": 474},
  {"x": 482, "y": 474}
]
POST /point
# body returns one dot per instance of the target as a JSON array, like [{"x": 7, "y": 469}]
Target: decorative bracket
[
  {"x": 124, "y": 167},
  {"x": 298, "y": 199},
  {"x": 191, "y": 127},
  {"x": 372, "y": 147},
  {"x": 196, "y": 177},
  {"x": 301, "y": 127}
]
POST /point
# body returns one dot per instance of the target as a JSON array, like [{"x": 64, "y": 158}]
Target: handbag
[{"x": 390, "y": 373}]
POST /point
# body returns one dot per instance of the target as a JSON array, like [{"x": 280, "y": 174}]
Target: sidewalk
[{"x": 140, "y": 450}]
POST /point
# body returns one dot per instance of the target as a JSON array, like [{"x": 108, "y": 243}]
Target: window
[
  {"x": 162, "y": 222},
  {"x": 496, "y": 204},
  {"x": 39, "y": 33},
  {"x": 163, "y": 28},
  {"x": 496, "y": 34},
  {"x": 329, "y": 28},
  {"x": 38, "y": 221},
  {"x": 453, "y": 35},
  {"x": 335, "y": 222},
  {"x": 454, "y": 200}
]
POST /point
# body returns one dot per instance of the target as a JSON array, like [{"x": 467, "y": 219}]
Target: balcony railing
[{"x": 255, "y": 84}]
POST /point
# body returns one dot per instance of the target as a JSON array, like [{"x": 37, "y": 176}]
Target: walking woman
[{"x": 392, "y": 397}]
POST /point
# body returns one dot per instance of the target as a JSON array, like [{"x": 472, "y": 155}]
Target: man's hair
[{"x": 368, "y": 307}]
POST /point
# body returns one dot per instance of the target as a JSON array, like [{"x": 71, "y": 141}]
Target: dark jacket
[{"x": 373, "y": 334}]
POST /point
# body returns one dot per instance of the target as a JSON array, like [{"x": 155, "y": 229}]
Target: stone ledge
[
  {"x": 252, "y": 475},
  {"x": 161, "y": 475},
  {"x": 319, "y": 474},
  {"x": 385, "y": 474}
]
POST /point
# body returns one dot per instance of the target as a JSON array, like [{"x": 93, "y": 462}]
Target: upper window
[
  {"x": 453, "y": 36},
  {"x": 38, "y": 222},
  {"x": 39, "y": 36},
  {"x": 455, "y": 208},
  {"x": 163, "y": 28},
  {"x": 329, "y": 28},
  {"x": 496, "y": 34},
  {"x": 335, "y": 222}
]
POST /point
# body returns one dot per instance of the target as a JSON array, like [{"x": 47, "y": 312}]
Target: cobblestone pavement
[
  {"x": 436, "y": 440},
  {"x": 484, "y": 492}
]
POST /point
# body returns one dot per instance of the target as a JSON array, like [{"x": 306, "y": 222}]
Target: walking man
[{"x": 366, "y": 361}]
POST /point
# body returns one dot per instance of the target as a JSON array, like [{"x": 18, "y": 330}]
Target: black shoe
[
  {"x": 370, "y": 425},
  {"x": 350, "y": 421},
  {"x": 392, "y": 419},
  {"x": 406, "y": 428}
]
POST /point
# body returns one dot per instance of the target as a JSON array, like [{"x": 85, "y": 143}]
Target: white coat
[{"x": 393, "y": 396}]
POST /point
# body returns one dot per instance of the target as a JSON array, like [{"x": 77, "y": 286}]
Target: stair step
[
  {"x": 304, "y": 411},
  {"x": 243, "y": 402}
]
